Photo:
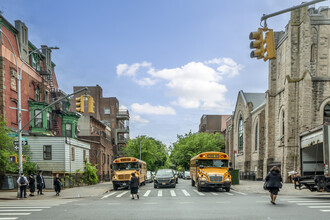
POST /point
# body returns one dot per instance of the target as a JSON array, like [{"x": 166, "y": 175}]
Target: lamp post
[{"x": 19, "y": 101}]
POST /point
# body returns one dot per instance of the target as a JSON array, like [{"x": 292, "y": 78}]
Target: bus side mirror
[{"x": 201, "y": 166}]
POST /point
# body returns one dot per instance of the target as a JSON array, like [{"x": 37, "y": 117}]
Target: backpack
[{"x": 22, "y": 180}]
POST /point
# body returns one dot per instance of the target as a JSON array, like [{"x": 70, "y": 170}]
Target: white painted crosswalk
[
  {"x": 314, "y": 203},
  {"x": 171, "y": 193}
]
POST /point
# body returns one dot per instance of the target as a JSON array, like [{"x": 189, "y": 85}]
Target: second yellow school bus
[
  {"x": 210, "y": 170},
  {"x": 123, "y": 168}
]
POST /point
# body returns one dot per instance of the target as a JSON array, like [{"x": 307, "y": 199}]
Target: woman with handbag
[{"x": 273, "y": 183}]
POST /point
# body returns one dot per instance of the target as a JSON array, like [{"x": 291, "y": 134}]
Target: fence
[{"x": 249, "y": 175}]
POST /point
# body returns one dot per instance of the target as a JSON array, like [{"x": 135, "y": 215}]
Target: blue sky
[{"x": 169, "y": 62}]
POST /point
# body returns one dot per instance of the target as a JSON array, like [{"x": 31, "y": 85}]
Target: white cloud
[
  {"x": 123, "y": 107},
  {"x": 131, "y": 70},
  {"x": 145, "y": 81},
  {"x": 148, "y": 109},
  {"x": 138, "y": 118},
  {"x": 227, "y": 66}
]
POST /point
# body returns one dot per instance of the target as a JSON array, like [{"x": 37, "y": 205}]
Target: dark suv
[{"x": 165, "y": 178}]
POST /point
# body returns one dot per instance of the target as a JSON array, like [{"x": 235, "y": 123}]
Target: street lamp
[{"x": 19, "y": 109}]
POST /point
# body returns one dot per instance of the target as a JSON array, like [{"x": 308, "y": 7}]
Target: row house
[
  {"x": 51, "y": 135},
  {"x": 107, "y": 111},
  {"x": 213, "y": 123},
  {"x": 267, "y": 129}
]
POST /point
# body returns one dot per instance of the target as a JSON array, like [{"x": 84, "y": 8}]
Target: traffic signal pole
[{"x": 265, "y": 17}]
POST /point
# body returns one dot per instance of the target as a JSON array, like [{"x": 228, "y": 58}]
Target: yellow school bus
[
  {"x": 123, "y": 168},
  {"x": 210, "y": 170}
]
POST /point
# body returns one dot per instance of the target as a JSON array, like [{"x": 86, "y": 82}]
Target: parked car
[
  {"x": 149, "y": 177},
  {"x": 180, "y": 174},
  {"x": 186, "y": 175},
  {"x": 165, "y": 178}
]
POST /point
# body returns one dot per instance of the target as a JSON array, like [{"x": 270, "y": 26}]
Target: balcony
[
  {"x": 122, "y": 130},
  {"x": 121, "y": 140},
  {"x": 123, "y": 115}
]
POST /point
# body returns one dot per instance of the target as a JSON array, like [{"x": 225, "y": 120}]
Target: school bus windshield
[
  {"x": 125, "y": 166},
  {"x": 213, "y": 163}
]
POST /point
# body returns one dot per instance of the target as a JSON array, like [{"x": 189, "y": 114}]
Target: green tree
[
  {"x": 153, "y": 152},
  {"x": 6, "y": 148},
  {"x": 90, "y": 174},
  {"x": 191, "y": 144}
]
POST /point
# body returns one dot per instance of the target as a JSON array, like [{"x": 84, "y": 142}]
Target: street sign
[
  {"x": 12, "y": 135},
  {"x": 24, "y": 142}
]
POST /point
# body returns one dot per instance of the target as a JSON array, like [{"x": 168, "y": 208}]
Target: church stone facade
[{"x": 265, "y": 132}]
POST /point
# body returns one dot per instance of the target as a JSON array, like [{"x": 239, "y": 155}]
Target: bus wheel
[
  {"x": 199, "y": 188},
  {"x": 227, "y": 189},
  {"x": 115, "y": 187},
  {"x": 192, "y": 182}
]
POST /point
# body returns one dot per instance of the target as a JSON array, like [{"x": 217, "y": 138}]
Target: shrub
[{"x": 90, "y": 174}]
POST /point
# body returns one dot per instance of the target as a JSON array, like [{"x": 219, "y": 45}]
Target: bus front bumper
[
  {"x": 205, "y": 184},
  {"x": 121, "y": 183}
]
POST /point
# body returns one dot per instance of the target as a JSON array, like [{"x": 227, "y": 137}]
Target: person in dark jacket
[
  {"x": 57, "y": 184},
  {"x": 274, "y": 184},
  {"x": 134, "y": 186},
  {"x": 40, "y": 182},
  {"x": 32, "y": 185}
]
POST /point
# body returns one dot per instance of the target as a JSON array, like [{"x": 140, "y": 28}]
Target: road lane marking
[
  {"x": 23, "y": 207},
  {"x": 316, "y": 203},
  {"x": 319, "y": 207},
  {"x": 186, "y": 202},
  {"x": 15, "y": 213},
  {"x": 185, "y": 192},
  {"x": 306, "y": 201},
  {"x": 147, "y": 193},
  {"x": 229, "y": 193},
  {"x": 199, "y": 193},
  {"x": 121, "y": 194},
  {"x": 21, "y": 210},
  {"x": 326, "y": 210},
  {"x": 222, "y": 202},
  {"x": 244, "y": 194},
  {"x": 106, "y": 196},
  {"x": 215, "y": 193},
  {"x": 114, "y": 203},
  {"x": 160, "y": 193},
  {"x": 9, "y": 218},
  {"x": 150, "y": 203},
  {"x": 172, "y": 192}
]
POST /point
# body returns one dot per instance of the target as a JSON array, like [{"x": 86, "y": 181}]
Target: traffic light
[
  {"x": 13, "y": 159},
  {"x": 270, "y": 45},
  {"x": 91, "y": 104},
  {"x": 258, "y": 44},
  {"x": 80, "y": 105}
]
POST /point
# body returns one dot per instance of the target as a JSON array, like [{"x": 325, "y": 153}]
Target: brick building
[
  {"x": 107, "y": 111},
  {"x": 297, "y": 98},
  {"x": 98, "y": 135},
  {"x": 213, "y": 123}
]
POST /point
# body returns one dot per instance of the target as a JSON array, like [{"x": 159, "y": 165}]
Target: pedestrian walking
[
  {"x": 273, "y": 183},
  {"x": 134, "y": 186},
  {"x": 32, "y": 184},
  {"x": 22, "y": 183},
  {"x": 40, "y": 182},
  {"x": 57, "y": 184}
]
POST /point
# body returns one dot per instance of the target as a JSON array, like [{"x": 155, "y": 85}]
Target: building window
[
  {"x": 37, "y": 94},
  {"x": 256, "y": 138},
  {"x": 73, "y": 153},
  {"x": 327, "y": 113},
  {"x": 13, "y": 80},
  {"x": 47, "y": 152},
  {"x": 103, "y": 158},
  {"x": 283, "y": 127},
  {"x": 48, "y": 121},
  {"x": 38, "y": 119},
  {"x": 108, "y": 160},
  {"x": 46, "y": 96},
  {"x": 84, "y": 155},
  {"x": 68, "y": 130},
  {"x": 107, "y": 111},
  {"x": 240, "y": 135}
]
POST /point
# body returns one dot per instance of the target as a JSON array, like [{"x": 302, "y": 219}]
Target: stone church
[{"x": 265, "y": 128}]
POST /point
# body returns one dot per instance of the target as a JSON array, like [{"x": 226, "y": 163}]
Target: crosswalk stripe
[
  {"x": 160, "y": 193},
  {"x": 239, "y": 192},
  {"x": 229, "y": 194},
  {"x": 172, "y": 193},
  {"x": 23, "y": 207},
  {"x": 15, "y": 213},
  {"x": 121, "y": 194},
  {"x": 110, "y": 194},
  {"x": 147, "y": 193},
  {"x": 21, "y": 210},
  {"x": 185, "y": 192},
  {"x": 326, "y": 210},
  {"x": 215, "y": 193},
  {"x": 306, "y": 201},
  {"x": 319, "y": 207},
  {"x": 199, "y": 193},
  {"x": 316, "y": 203},
  {"x": 8, "y": 218}
]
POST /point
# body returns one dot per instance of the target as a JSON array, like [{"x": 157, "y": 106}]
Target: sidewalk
[
  {"x": 287, "y": 189},
  {"x": 66, "y": 193}
]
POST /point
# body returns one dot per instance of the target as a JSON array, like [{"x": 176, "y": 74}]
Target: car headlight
[
  {"x": 173, "y": 178},
  {"x": 227, "y": 180},
  {"x": 155, "y": 178},
  {"x": 113, "y": 178},
  {"x": 203, "y": 179}
]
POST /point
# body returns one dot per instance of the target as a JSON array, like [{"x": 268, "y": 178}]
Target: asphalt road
[{"x": 183, "y": 202}]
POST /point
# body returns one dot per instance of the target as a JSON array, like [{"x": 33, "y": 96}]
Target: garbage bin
[
  {"x": 8, "y": 183},
  {"x": 234, "y": 177}
]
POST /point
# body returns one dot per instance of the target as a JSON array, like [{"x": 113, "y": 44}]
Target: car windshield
[
  {"x": 148, "y": 173},
  {"x": 213, "y": 163},
  {"x": 187, "y": 173},
  {"x": 125, "y": 166},
  {"x": 164, "y": 173}
]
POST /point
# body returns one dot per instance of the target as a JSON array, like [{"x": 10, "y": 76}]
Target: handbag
[{"x": 265, "y": 186}]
